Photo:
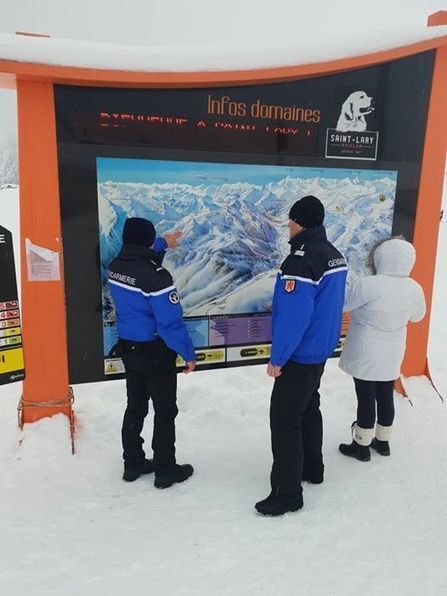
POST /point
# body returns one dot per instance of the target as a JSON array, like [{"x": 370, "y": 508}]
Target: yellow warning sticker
[{"x": 113, "y": 366}]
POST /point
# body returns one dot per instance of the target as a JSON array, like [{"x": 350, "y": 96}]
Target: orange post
[
  {"x": 428, "y": 212},
  {"x": 46, "y": 390}
]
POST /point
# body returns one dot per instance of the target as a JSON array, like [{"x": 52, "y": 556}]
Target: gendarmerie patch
[{"x": 289, "y": 285}]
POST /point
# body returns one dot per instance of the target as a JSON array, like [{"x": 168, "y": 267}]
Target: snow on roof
[{"x": 308, "y": 47}]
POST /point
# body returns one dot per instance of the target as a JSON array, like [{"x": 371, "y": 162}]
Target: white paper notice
[{"x": 42, "y": 263}]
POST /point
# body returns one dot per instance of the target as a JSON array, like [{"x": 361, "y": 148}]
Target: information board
[{"x": 224, "y": 165}]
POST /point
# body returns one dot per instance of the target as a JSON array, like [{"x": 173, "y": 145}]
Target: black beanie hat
[
  {"x": 307, "y": 212},
  {"x": 138, "y": 231}
]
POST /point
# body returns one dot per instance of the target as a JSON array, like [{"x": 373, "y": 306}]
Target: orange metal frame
[
  {"x": 46, "y": 388},
  {"x": 428, "y": 212},
  {"x": 43, "y": 302}
]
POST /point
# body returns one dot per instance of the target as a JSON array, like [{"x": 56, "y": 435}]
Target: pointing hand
[{"x": 172, "y": 238}]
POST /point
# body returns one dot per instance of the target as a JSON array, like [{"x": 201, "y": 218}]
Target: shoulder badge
[
  {"x": 289, "y": 285},
  {"x": 174, "y": 297},
  {"x": 300, "y": 252}
]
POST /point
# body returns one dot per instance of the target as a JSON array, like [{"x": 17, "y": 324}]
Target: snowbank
[{"x": 305, "y": 48}]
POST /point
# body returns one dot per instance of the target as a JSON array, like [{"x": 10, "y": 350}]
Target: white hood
[{"x": 395, "y": 257}]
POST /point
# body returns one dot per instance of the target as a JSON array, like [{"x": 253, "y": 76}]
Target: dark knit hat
[
  {"x": 307, "y": 212},
  {"x": 138, "y": 231}
]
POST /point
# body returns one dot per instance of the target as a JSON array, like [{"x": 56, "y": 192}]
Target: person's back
[
  {"x": 313, "y": 306},
  {"x": 146, "y": 300},
  {"x": 151, "y": 330},
  {"x": 393, "y": 302},
  {"x": 381, "y": 307},
  {"x": 306, "y": 321}
]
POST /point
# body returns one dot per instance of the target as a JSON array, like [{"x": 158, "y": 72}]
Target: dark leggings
[{"x": 370, "y": 392}]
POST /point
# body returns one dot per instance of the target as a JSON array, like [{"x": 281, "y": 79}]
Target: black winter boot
[
  {"x": 133, "y": 471},
  {"x": 355, "y": 450},
  {"x": 178, "y": 474},
  {"x": 382, "y": 447},
  {"x": 278, "y": 504},
  {"x": 315, "y": 476},
  {"x": 311, "y": 479}
]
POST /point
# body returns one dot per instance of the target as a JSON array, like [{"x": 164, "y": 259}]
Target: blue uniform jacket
[
  {"x": 146, "y": 301},
  {"x": 308, "y": 300}
]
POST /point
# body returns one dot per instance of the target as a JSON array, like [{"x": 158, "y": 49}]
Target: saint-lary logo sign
[{"x": 352, "y": 137}]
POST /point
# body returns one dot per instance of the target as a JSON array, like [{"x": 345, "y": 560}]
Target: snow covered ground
[{"x": 70, "y": 526}]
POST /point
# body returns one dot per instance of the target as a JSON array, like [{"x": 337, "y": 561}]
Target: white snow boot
[
  {"x": 381, "y": 442},
  {"x": 359, "y": 448}
]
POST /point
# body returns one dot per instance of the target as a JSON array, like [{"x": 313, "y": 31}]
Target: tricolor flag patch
[{"x": 289, "y": 285}]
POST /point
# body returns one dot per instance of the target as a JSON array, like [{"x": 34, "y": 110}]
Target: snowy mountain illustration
[{"x": 235, "y": 234}]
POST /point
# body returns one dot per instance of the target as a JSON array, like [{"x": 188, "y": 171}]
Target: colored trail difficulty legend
[{"x": 11, "y": 350}]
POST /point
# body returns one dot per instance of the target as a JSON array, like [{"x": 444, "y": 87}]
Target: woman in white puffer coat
[{"x": 381, "y": 306}]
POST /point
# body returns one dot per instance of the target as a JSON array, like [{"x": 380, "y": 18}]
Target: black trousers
[
  {"x": 150, "y": 374},
  {"x": 368, "y": 394},
  {"x": 296, "y": 426}
]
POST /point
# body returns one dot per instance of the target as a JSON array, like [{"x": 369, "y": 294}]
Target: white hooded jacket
[{"x": 381, "y": 306}]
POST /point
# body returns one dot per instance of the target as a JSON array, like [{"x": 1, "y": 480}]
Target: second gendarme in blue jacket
[
  {"x": 146, "y": 300},
  {"x": 308, "y": 300}
]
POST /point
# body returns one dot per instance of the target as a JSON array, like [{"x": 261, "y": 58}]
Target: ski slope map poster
[{"x": 234, "y": 223}]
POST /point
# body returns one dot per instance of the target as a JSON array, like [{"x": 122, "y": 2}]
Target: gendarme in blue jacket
[
  {"x": 308, "y": 300},
  {"x": 146, "y": 301}
]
